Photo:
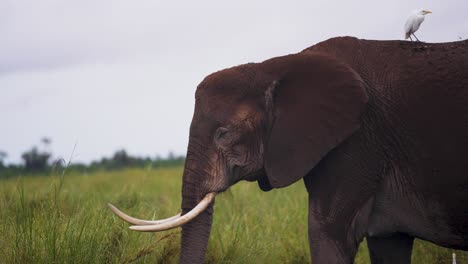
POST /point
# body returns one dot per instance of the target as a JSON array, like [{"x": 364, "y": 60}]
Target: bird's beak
[{"x": 426, "y": 12}]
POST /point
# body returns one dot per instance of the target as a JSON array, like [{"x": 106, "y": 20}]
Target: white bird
[{"x": 413, "y": 22}]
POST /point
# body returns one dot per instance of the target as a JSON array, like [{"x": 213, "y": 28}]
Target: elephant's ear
[{"x": 313, "y": 105}]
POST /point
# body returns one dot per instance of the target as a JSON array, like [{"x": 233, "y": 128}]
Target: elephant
[{"x": 377, "y": 130}]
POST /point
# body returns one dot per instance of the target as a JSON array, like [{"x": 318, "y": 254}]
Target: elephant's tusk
[
  {"x": 136, "y": 221},
  {"x": 201, "y": 206}
]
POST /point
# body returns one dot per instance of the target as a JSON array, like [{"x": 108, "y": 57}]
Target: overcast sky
[{"x": 113, "y": 74}]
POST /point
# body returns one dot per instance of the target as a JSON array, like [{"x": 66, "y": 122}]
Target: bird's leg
[
  {"x": 416, "y": 37},
  {"x": 410, "y": 38}
]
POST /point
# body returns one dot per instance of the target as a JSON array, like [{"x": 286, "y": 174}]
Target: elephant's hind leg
[{"x": 388, "y": 250}]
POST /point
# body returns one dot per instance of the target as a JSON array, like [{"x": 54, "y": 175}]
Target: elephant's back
[
  {"x": 384, "y": 62},
  {"x": 351, "y": 49}
]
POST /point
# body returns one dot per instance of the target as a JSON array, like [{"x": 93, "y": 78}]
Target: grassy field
[{"x": 66, "y": 220}]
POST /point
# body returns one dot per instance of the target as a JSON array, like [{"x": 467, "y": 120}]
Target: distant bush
[
  {"x": 121, "y": 159},
  {"x": 38, "y": 162}
]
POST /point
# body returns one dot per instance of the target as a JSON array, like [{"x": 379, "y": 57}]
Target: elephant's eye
[{"x": 221, "y": 136}]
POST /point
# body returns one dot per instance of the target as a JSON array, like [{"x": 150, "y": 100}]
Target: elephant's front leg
[
  {"x": 338, "y": 216},
  {"x": 335, "y": 240},
  {"x": 341, "y": 191}
]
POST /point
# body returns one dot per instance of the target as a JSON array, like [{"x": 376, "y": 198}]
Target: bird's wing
[
  {"x": 417, "y": 22},
  {"x": 409, "y": 26}
]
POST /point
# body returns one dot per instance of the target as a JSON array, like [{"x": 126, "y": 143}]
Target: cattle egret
[{"x": 413, "y": 22}]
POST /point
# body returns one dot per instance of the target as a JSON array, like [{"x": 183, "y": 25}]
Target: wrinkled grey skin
[{"x": 376, "y": 129}]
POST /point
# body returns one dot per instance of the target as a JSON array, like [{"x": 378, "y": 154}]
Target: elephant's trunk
[
  {"x": 197, "y": 213},
  {"x": 195, "y": 234},
  {"x": 195, "y": 237}
]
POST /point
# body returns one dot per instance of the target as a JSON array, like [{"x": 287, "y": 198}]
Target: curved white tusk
[
  {"x": 136, "y": 221},
  {"x": 201, "y": 206}
]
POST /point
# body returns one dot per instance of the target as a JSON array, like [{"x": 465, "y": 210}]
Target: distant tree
[
  {"x": 3, "y": 155},
  {"x": 121, "y": 159},
  {"x": 170, "y": 155},
  {"x": 34, "y": 160}
]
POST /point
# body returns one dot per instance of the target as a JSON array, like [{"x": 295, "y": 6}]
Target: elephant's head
[{"x": 270, "y": 122}]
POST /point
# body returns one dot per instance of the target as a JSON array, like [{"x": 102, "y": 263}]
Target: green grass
[{"x": 66, "y": 220}]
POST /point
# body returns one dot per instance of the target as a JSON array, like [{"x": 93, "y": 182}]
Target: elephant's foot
[{"x": 393, "y": 249}]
